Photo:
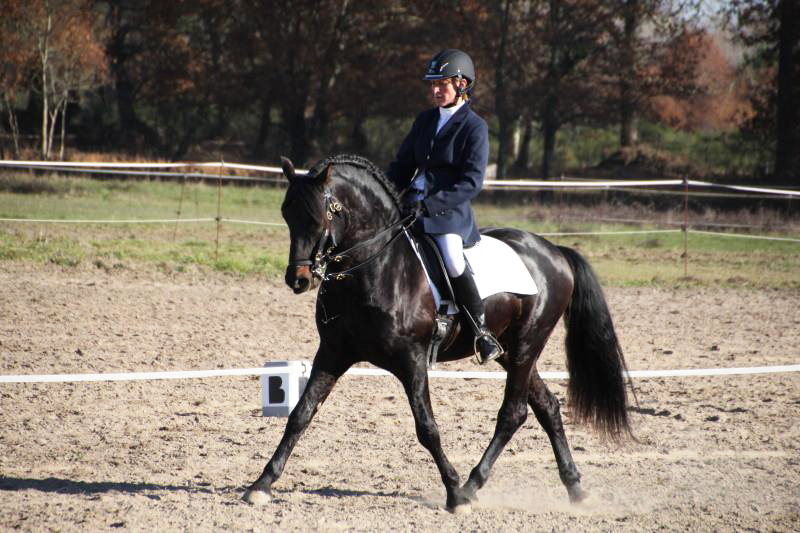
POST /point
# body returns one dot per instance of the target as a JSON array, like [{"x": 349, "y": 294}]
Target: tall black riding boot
[{"x": 469, "y": 300}]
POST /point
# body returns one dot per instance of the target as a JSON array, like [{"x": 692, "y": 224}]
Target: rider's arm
[
  {"x": 472, "y": 167},
  {"x": 402, "y": 169}
]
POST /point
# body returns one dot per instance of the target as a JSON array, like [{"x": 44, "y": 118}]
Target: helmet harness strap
[{"x": 460, "y": 91}]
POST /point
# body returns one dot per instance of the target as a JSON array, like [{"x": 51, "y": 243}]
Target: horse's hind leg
[
  {"x": 512, "y": 415},
  {"x": 319, "y": 385},
  {"x": 545, "y": 407}
]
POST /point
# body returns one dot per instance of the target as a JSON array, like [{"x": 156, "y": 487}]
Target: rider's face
[{"x": 443, "y": 92}]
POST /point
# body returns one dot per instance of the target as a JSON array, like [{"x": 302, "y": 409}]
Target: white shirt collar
[{"x": 445, "y": 113}]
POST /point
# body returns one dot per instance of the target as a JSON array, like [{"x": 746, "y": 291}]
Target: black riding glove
[{"x": 414, "y": 208}]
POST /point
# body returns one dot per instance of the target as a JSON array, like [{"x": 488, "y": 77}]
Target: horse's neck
[
  {"x": 370, "y": 209},
  {"x": 389, "y": 274}
]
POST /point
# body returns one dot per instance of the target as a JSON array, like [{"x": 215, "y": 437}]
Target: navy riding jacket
[{"x": 453, "y": 162}]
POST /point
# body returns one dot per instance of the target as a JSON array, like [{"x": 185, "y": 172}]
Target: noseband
[{"x": 322, "y": 257}]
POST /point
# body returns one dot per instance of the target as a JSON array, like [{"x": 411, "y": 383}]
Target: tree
[
  {"x": 570, "y": 82},
  {"x": 498, "y": 35},
  {"x": 770, "y": 29},
  {"x": 645, "y": 59},
  {"x": 299, "y": 48},
  {"x": 16, "y": 64},
  {"x": 125, "y": 20},
  {"x": 718, "y": 102},
  {"x": 78, "y": 63},
  {"x": 69, "y": 57}
]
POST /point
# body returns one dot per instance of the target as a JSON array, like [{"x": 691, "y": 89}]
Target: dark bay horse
[{"x": 374, "y": 305}]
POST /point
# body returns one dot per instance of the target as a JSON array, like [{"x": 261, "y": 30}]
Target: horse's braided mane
[{"x": 360, "y": 162}]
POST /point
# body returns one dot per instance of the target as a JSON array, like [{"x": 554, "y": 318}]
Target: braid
[{"x": 360, "y": 162}]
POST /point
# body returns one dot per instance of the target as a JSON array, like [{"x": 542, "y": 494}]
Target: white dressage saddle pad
[{"x": 497, "y": 268}]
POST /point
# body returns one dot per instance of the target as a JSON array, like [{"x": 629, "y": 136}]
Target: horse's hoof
[
  {"x": 256, "y": 497},
  {"x": 463, "y": 509},
  {"x": 577, "y": 494}
]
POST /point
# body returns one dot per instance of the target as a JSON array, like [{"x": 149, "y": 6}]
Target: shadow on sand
[{"x": 69, "y": 486}]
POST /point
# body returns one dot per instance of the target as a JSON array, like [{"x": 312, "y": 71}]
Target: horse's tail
[{"x": 596, "y": 391}]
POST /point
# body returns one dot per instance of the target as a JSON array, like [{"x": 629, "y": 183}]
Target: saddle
[
  {"x": 496, "y": 268},
  {"x": 444, "y": 331}
]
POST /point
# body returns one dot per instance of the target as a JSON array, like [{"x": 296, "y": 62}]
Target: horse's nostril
[{"x": 301, "y": 284}]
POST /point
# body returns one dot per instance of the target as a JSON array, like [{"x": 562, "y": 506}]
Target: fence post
[
  {"x": 180, "y": 207},
  {"x": 219, "y": 209},
  {"x": 685, "y": 226}
]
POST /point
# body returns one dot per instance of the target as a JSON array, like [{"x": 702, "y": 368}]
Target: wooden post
[
  {"x": 685, "y": 226},
  {"x": 219, "y": 209},
  {"x": 180, "y": 208}
]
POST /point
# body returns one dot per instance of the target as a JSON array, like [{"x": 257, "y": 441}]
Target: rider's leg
[
  {"x": 452, "y": 248},
  {"x": 466, "y": 293}
]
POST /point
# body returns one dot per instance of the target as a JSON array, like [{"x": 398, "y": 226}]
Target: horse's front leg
[
  {"x": 415, "y": 382},
  {"x": 512, "y": 415},
  {"x": 319, "y": 385}
]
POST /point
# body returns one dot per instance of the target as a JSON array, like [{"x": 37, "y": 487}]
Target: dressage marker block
[{"x": 281, "y": 389}]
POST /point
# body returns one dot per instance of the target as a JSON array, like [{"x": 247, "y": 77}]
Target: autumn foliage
[
  {"x": 307, "y": 78},
  {"x": 719, "y": 99}
]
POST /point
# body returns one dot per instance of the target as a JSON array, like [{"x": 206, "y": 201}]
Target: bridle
[
  {"x": 323, "y": 256},
  {"x": 320, "y": 256}
]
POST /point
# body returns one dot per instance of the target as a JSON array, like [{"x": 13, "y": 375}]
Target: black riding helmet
[{"x": 452, "y": 63}]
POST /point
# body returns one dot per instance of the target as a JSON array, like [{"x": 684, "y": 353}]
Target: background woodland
[{"x": 567, "y": 85}]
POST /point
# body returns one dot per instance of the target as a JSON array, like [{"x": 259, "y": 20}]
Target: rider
[{"x": 440, "y": 165}]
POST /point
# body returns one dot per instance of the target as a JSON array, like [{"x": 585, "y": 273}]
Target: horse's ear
[
  {"x": 288, "y": 168},
  {"x": 324, "y": 176}
]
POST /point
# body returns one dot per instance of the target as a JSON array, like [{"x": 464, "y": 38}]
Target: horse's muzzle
[{"x": 299, "y": 278}]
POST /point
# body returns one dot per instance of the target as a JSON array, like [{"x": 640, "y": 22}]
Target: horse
[{"x": 374, "y": 304}]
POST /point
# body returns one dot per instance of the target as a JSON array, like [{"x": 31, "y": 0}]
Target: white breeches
[{"x": 452, "y": 249}]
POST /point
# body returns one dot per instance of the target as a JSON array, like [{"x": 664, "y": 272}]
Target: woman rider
[{"x": 440, "y": 165}]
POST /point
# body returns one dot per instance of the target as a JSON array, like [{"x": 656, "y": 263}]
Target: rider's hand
[{"x": 415, "y": 208}]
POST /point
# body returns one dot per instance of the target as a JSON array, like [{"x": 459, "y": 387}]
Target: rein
[{"x": 322, "y": 257}]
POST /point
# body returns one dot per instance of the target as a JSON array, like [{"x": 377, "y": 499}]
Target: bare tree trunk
[
  {"x": 549, "y": 104},
  {"x": 13, "y": 124},
  {"x": 51, "y": 133},
  {"x": 628, "y": 134},
  {"x": 264, "y": 126},
  {"x": 505, "y": 146},
  {"x": 787, "y": 153},
  {"x": 63, "y": 126},
  {"x": 44, "y": 57},
  {"x": 320, "y": 117},
  {"x": 523, "y": 157},
  {"x": 134, "y": 133},
  {"x": 549, "y": 130},
  {"x": 504, "y": 117},
  {"x": 294, "y": 121}
]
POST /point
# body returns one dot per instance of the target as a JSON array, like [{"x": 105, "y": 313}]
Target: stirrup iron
[{"x": 477, "y": 353}]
